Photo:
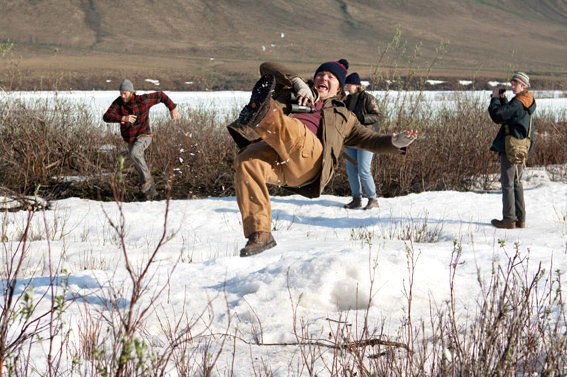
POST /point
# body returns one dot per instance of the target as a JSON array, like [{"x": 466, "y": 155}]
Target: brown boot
[
  {"x": 372, "y": 203},
  {"x": 258, "y": 242},
  {"x": 504, "y": 224},
  {"x": 355, "y": 203},
  {"x": 520, "y": 223}
]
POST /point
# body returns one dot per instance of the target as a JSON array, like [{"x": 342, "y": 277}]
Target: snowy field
[{"x": 329, "y": 261}]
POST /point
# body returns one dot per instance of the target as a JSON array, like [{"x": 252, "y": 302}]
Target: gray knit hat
[{"x": 126, "y": 86}]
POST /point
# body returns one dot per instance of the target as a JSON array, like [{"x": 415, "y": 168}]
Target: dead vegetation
[{"x": 63, "y": 153}]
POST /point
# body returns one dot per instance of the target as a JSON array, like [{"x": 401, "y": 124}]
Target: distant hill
[{"x": 218, "y": 44}]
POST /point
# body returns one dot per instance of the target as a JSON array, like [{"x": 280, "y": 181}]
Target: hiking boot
[
  {"x": 504, "y": 224},
  {"x": 259, "y": 103},
  {"x": 258, "y": 242},
  {"x": 151, "y": 193},
  {"x": 520, "y": 223},
  {"x": 372, "y": 203},
  {"x": 148, "y": 189},
  {"x": 144, "y": 187},
  {"x": 355, "y": 203}
]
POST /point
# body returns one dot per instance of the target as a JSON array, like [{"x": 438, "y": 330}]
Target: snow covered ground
[{"x": 329, "y": 263}]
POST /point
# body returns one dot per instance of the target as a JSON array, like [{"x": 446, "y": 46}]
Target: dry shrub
[
  {"x": 193, "y": 157},
  {"x": 41, "y": 146},
  {"x": 452, "y": 147},
  {"x": 453, "y": 151}
]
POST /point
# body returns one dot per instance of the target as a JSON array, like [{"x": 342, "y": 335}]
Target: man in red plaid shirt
[{"x": 132, "y": 111}]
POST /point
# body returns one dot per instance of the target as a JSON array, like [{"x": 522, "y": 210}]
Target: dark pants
[{"x": 513, "y": 207}]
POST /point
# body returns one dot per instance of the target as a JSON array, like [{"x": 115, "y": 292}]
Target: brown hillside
[{"x": 218, "y": 44}]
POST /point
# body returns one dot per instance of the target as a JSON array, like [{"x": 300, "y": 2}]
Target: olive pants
[{"x": 288, "y": 154}]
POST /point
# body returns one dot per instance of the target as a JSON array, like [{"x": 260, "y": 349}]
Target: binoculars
[{"x": 297, "y": 108}]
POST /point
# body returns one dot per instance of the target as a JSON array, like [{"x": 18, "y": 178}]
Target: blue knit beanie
[
  {"x": 338, "y": 68},
  {"x": 353, "y": 79}
]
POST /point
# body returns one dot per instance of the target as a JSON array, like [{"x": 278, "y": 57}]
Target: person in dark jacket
[
  {"x": 514, "y": 118},
  {"x": 298, "y": 151},
  {"x": 359, "y": 161},
  {"x": 132, "y": 111}
]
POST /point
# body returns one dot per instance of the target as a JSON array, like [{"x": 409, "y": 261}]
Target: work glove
[
  {"x": 404, "y": 138},
  {"x": 302, "y": 89}
]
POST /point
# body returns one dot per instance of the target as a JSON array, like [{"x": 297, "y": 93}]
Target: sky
[{"x": 330, "y": 265}]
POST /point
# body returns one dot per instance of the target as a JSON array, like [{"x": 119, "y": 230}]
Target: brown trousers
[{"x": 288, "y": 154}]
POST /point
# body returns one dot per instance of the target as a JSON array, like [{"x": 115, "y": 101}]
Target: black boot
[
  {"x": 355, "y": 203},
  {"x": 259, "y": 103}
]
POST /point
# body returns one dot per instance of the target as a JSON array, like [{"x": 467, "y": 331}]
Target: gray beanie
[{"x": 126, "y": 86}]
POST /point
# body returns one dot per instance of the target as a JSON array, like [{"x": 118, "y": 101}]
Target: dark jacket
[
  {"x": 516, "y": 115},
  {"x": 339, "y": 127},
  {"x": 140, "y": 106},
  {"x": 365, "y": 106}
]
